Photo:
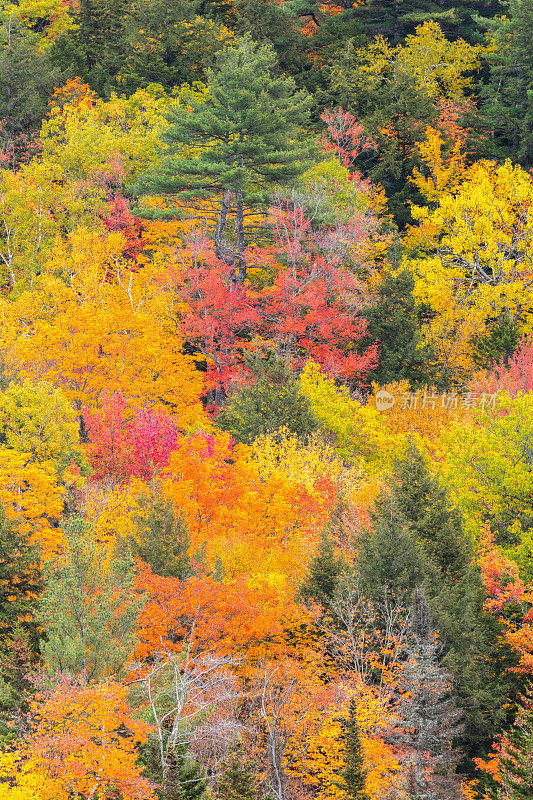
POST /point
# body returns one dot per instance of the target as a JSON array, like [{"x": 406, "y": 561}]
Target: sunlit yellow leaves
[
  {"x": 39, "y": 420},
  {"x": 428, "y": 60},
  {"x": 107, "y": 330},
  {"x": 285, "y": 456},
  {"x": 82, "y": 138},
  {"x": 437, "y": 65},
  {"x": 356, "y": 431},
  {"x": 23, "y": 784},
  {"x": 445, "y": 169},
  {"x": 51, "y": 17},
  {"x": 28, "y": 228},
  {"x": 425, "y": 414},
  {"x": 32, "y": 498},
  {"x": 472, "y": 259}
]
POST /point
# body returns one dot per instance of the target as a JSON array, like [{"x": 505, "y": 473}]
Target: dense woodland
[{"x": 266, "y": 400}]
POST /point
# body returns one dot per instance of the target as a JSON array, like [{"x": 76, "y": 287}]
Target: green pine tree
[
  {"x": 27, "y": 78},
  {"x": 183, "y": 778},
  {"x": 247, "y": 138},
  {"x": 162, "y": 537},
  {"x": 498, "y": 344},
  {"x": 239, "y": 779},
  {"x": 271, "y": 402},
  {"x": 95, "y": 50},
  {"x": 390, "y": 560},
  {"x": 353, "y": 775},
  {"x": 277, "y": 24},
  {"x": 423, "y": 504},
  {"x": 507, "y": 100},
  {"x": 323, "y": 574},
  {"x": 394, "y": 324},
  {"x": 20, "y": 584},
  {"x": 417, "y": 542}
]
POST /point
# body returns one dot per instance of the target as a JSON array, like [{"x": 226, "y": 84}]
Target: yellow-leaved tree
[
  {"x": 89, "y": 149},
  {"x": 356, "y": 431},
  {"x": 472, "y": 257},
  {"x": 91, "y": 323},
  {"x": 32, "y": 498}
]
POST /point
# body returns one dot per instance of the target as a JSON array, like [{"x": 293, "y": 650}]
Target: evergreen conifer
[
  {"x": 162, "y": 538},
  {"x": 239, "y": 781},
  {"x": 353, "y": 776},
  {"x": 390, "y": 559},
  {"x": 394, "y": 323},
  {"x": 429, "y": 718},
  {"x": 271, "y": 402},
  {"x": 323, "y": 574},
  {"x": 183, "y": 779},
  {"x": 246, "y": 136},
  {"x": 20, "y": 583},
  {"x": 423, "y": 505},
  {"x": 417, "y": 541},
  {"x": 507, "y": 110}
]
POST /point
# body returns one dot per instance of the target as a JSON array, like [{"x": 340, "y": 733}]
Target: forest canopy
[{"x": 266, "y": 400}]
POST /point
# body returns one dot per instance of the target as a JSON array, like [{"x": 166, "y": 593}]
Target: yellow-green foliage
[
  {"x": 489, "y": 471},
  {"x": 357, "y": 431},
  {"x": 330, "y": 188},
  {"x": 38, "y": 419}
]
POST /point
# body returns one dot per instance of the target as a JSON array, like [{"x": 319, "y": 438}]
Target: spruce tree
[
  {"x": 423, "y": 505},
  {"x": 271, "y": 402},
  {"x": 417, "y": 541},
  {"x": 183, "y": 778},
  {"x": 20, "y": 584},
  {"x": 429, "y": 721},
  {"x": 162, "y": 537},
  {"x": 239, "y": 780},
  {"x": 390, "y": 560},
  {"x": 27, "y": 80},
  {"x": 323, "y": 574},
  {"x": 94, "y": 51},
  {"x": 498, "y": 344},
  {"x": 394, "y": 324},
  {"x": 246, "y": 138},
  {"x": 353, "y": 775},
  {"x": 507, "y": 108}
]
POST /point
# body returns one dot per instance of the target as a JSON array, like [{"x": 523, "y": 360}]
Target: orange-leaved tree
[
  {"x": 248, "y": 523},
  {"x": 83, "y": 744}
]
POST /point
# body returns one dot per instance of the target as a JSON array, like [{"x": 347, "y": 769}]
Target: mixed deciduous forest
[{"x": 266, "y": 400}]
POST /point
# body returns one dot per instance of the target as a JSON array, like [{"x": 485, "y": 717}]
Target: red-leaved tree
[
  {"x": 218, "y": 318},
  {"x": 516, "y": 378},
  {"x": 126, "y": 442},
  {"x": 311, "y": 310}
]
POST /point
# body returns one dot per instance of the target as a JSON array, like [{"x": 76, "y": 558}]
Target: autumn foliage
[{"x": 266, "y": 401}]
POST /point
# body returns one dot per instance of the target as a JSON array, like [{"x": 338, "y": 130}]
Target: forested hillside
[{"x": 266, "y": 400}]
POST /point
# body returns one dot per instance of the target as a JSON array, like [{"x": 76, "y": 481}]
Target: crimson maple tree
[{"x": 128, "y": 442}]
